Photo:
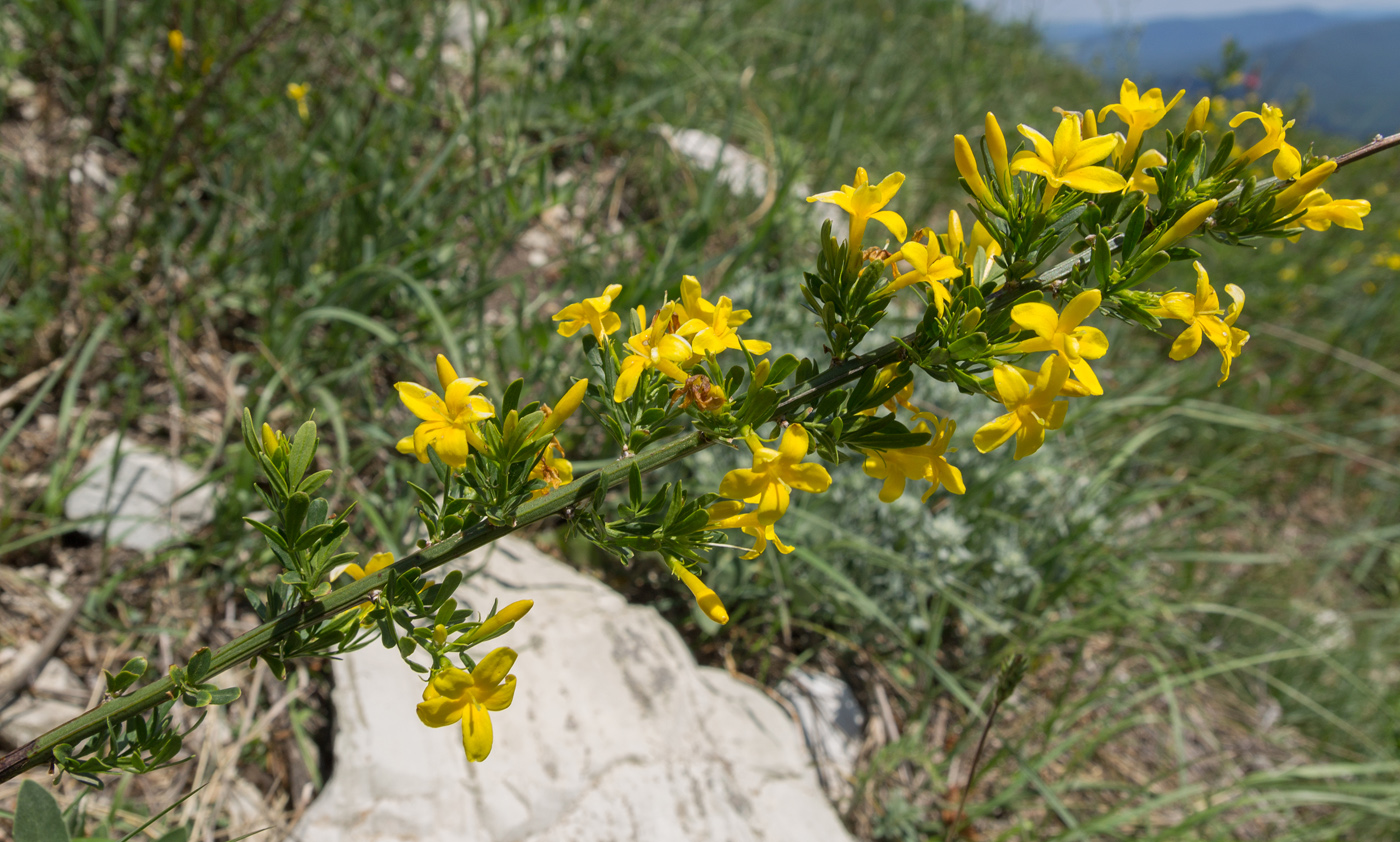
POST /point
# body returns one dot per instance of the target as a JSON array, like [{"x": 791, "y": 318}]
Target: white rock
[
  {"x": 738, "y": 170},
  {"x": 150, "y": 501},
  {"x": 614, "y": 735},
  {"x": 833, "y": 724},
  {"x": 28, "y": 717}
]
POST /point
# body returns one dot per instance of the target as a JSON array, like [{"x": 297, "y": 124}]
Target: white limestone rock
[
  {"x": 614, "y": 735},
  {"x": 833, "y": 723},
  {"x": 150, "y": 500}
]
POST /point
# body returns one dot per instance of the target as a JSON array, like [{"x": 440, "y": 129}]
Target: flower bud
[
  {"x": 971, "y": 320},
  {"x": 566, "y": 407},
  {"x": 269, "y": 440},
  {"x": 445, "y": 372},
  {"x": 510, "y": 614},
  {"x": 1186, "y": 225},
  {"x": 760, "y": 374},
  {"x": 707, "y": 599},
  {"x": 439, "y": 634},
  {"x": 1197, "y": 120},
  {"x": 996, "y": 146},
  {"x": 967, "y": 167},
  {"x": 1289, "y": 197}
]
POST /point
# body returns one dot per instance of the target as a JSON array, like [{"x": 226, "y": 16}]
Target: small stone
[
  {"x": 149, "y": 501},
  {"x": 833, "y": 724},
  {"x": 738, "y": 170},
  {"x": 615, "y": 735},
  {"x": 57, "y": 681},
  {"x": 29, "y": 717}
]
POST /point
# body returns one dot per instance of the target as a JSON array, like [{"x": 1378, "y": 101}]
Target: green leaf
[
  {"x": 314, "y": 481},
  {"x": 270, "y": 533},
  {"x": 198, "y": 667},
  {"x": 222, "y": 695},
  {"x": 969, "y": 347},
  {"x": 37, "y": 817},
  {"x": 295, "y": 512},
  {"x": 303, "y": 449},
  {"x": 511, "y": 398}
]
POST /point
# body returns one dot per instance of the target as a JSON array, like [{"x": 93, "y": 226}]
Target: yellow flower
[
  {"x": 694, "y": 306},
  {"x": 729, "y": 514},
  {"x": 925, "y": 462},
  {"x": 454, "y": 695},
  {"x": 297, "y": 93},
  {"x": 864, "y": 202},
  {"x": 1141, "y": 180},
  {"x": 654, "y": 348},
  {"x": 448, "y": 426},
  {"x": 591, "y": 312},
  {"x": 1196, "y": 120},
  {"x": 706, "y": 598},
  {"x": 566, "y": 407},
  {"x": 1063, "y": 334},
  {"x": 774, "y": 474},
  {"x": 1139, "y": 112},
  {"x": 377, "y": 562},
  {"x": 1287, "y": 163},
  {"x": 177, "y": 46},
  {"x": 1030, "y": 412},
  {"x": 1203, "y": 317},
  {"x": 1320, "y": 211},
  {"x": 1068, "y": 162},
  {"x": 716, "y": 334},
  {"x": 556, "y": 471},
  {"x": 927, "y": 263}
]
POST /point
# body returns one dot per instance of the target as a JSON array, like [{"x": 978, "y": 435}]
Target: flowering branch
[{"x": 991, "y": 310}]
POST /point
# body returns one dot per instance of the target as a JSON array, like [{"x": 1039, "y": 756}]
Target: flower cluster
[{"x": 994, "y": 322}]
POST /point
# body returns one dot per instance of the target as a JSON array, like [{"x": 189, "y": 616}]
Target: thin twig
[
  {"x": 972, "y": 771},
  {"x": 1380, "y": 144},
  {"x": 25, "y": 675},
  {"x": 28, "y": 381}
]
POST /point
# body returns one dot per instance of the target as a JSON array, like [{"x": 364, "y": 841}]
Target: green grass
[{"x": 1164, "y": 562}]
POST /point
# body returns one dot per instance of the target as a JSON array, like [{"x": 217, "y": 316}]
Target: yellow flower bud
[
  {"x": 439, "y": 634},
  {"x": 1197, "y": 120},
  {"x": 707, "y": 599},
  {"x": 1187, "y": 225},
  {"x": 996, "y": 146},
  {"x": 566, "y": 406},
  {"x": 972, "y": 319},
  {"x": 760, "y": 374},
  {"x": 1289, "y": 197},
  {"x": 510, "y": 614},
  {"x": 269, "y": 440},
  {"x": 967, "y": 166}
]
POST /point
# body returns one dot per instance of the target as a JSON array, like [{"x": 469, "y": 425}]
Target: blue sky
[{"x": 1121, "y": 11}]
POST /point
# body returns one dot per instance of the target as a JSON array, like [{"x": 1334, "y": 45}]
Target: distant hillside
[
  {"x": 1351, "y": 74},
  {"x": 1349, "y": 67}
]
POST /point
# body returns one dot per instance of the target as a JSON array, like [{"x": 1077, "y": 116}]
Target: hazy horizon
[{"x": 1124, "y": 11}]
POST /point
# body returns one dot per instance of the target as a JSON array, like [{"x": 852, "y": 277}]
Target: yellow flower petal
[{"x": 476, "y": 732}]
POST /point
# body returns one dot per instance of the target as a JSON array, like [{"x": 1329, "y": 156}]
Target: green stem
[{"x": 253, "y": 643}]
